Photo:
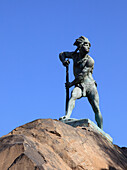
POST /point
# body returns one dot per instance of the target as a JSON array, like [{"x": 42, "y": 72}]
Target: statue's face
[{"x": 85, "y": 48}]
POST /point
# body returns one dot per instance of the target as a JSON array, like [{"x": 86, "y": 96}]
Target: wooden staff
[
  {"x": 67, "y": 88},
  {"x": 67, "y": 79}
]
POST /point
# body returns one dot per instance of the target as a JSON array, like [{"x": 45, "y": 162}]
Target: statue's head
[{"x": 83, "y": 44}]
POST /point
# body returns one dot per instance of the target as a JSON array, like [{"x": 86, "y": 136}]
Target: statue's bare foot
[{"x": 63, "y": 118}]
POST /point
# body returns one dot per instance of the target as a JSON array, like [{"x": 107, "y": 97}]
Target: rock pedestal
[
  {"x": 47, "y": 144},
  {"x": 87, "y": 123}
]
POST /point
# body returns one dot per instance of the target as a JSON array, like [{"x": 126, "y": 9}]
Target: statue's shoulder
[
  {"x": 90, "y": 61},
  {"x": 90, "y": 58}
]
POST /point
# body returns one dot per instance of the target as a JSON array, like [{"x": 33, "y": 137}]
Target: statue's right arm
[{"x": 65, "y": 55}]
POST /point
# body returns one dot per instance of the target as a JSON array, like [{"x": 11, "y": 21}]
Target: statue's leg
[
  {"x": 93, "y": 98},
  {"x": 76, "y": 94}
]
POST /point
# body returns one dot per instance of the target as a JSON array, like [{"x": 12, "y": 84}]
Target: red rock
[{"x": 49, "y": 144}]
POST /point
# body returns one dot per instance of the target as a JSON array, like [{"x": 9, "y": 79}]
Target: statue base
[{"x": 86, "y": 123}]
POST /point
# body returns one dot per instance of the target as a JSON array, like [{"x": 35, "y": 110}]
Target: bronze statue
[{"x": 85, "y": 85}]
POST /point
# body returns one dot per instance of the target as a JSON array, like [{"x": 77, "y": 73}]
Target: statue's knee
[
  {"x": 97, "y": 110},
  {"x": 76, "y": 93}
]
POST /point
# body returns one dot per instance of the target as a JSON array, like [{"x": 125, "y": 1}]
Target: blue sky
[{"x": 33, "y": 33}]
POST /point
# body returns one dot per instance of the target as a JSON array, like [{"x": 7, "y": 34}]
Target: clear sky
[{"x": 33, "y": 33}]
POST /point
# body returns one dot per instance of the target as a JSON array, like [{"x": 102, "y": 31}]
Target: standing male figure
[{"x": 85, "y": 85}]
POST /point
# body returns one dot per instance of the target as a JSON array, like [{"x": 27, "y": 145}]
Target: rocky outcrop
[{"x": 47, "y": 144}]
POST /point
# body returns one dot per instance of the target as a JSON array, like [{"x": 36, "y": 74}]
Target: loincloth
[{"x": 87, "y": 87}]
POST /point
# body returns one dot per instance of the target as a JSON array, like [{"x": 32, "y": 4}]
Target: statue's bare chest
[{"x": 80, "y": 63}]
